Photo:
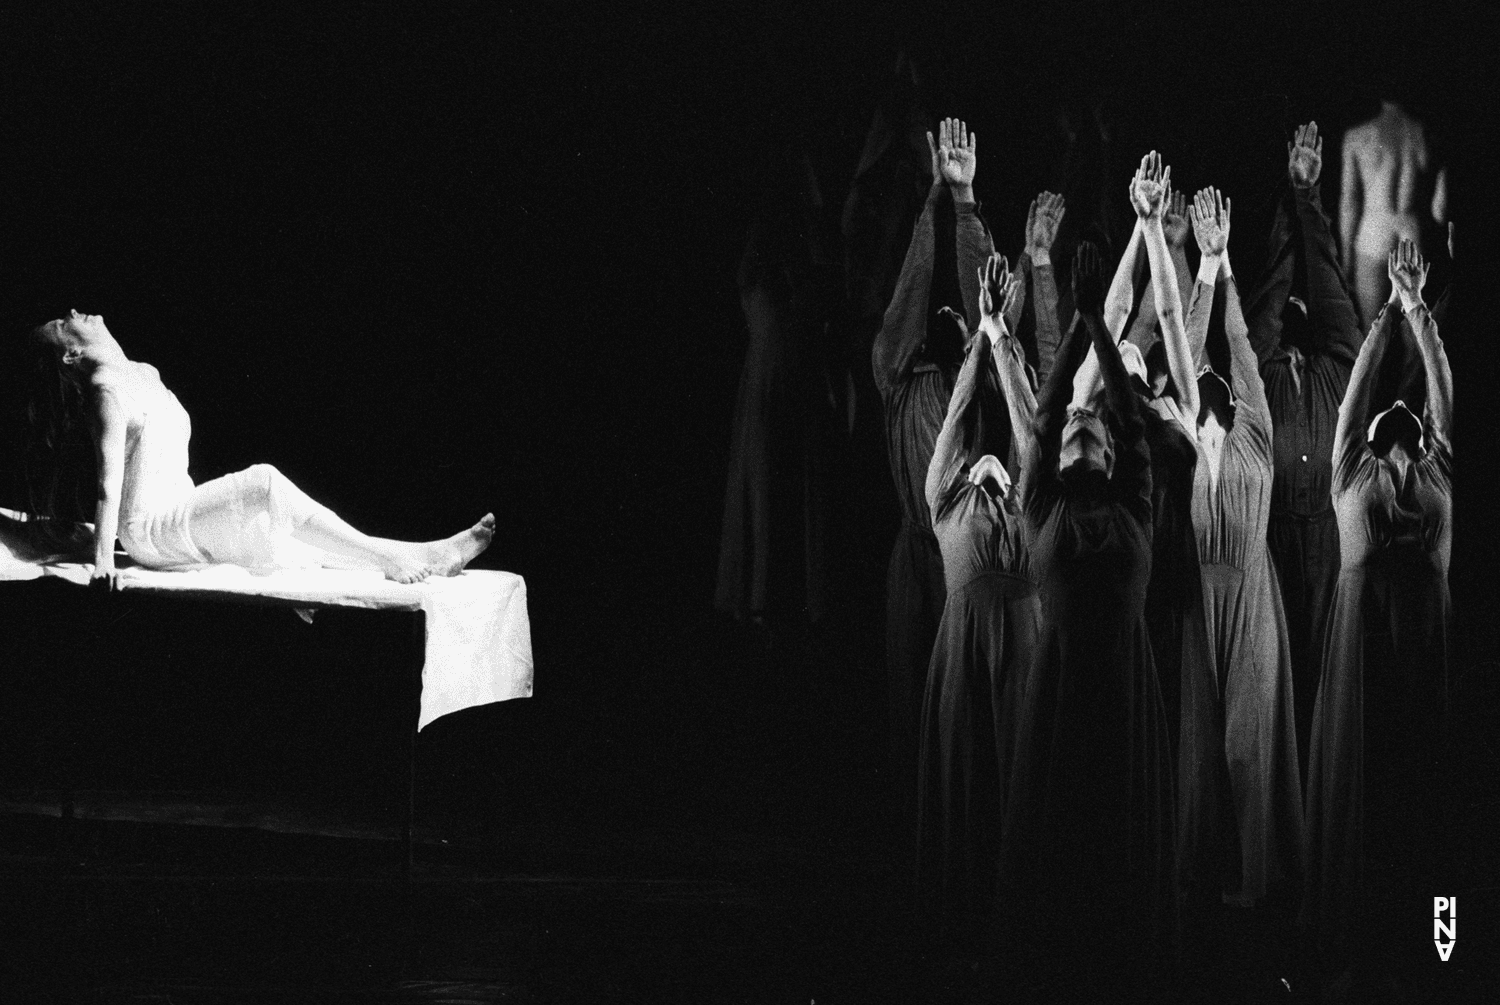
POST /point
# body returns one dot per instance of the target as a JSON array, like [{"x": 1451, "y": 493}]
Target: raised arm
[
  {"x": 1176, "y": 225},
  {"x": 1151, "y": 205},
  {"x": 109, "y": 428},
  {"x": 1408, "y": 273},
  {"x": 947, "y": 462},
  {"x": 1042, "y": 223},
  {"x": 1349, "y": 441},
  {"x": 996, "y": 289},
  {"x": 1213, "y": 247},
  {"x": 1131, "y": 270},
  {"x": 1253, "y": 412},
  {"x": 957, "y": 162},
  {"x": 1057, "y": 392},
  {"x": 905, "y": 325},
  {"x": 1333, "y": 322}
]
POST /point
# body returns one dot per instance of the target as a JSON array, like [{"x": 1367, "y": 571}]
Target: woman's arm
[
  {"x": 947, "y": 462},
  {"x": 996, "y": 290},
  {"x": 1169, "y": 311},
  {"x": 1052, "y": 404},
  {"x": 109, "y": 427},
  {"x": 1349, "y": 442},
  {"x": 1042, "y": 223},
  {"x": 1408, "y": 274},
  {"x": 1252, "y": 412},
  {"x": 905, "y": 326},
  {"x": 1132, "y": 267}
]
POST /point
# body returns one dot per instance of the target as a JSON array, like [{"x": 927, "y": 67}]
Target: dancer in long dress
[
  {"x": 1306, "y": 345},
  {"x": 1240, "y": 804},
  {"x": 773, "y": 542},
  {"x": 1376, "y": 805},
  {"x": 1173, "y": 601},
  {"x": 915, "y": 375},
  {"x": 1087, "y": 840},
  {"x": 254, "y": 518},
  {"x": 990, "y": 623}
]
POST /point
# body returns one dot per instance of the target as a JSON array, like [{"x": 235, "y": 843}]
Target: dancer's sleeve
[
  {"x": 1333, "y": 323},
  {"x": 1252, "y": 416},
  {"x": 1350, "y": 446},
  {"x": 947, "y": 462},
  {"x": 974, "y": 248},
  {"x": 904, "y": 327},
  {"x": 1437, "y": 418},
  {"x": 1010, "y": 364}
]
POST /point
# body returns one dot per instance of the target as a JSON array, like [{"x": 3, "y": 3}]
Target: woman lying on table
[{"x": 254, "y": 518}]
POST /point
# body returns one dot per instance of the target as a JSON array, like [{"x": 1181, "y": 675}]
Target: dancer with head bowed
[
  {"x": 915, "y": 363},
  {"x": 1153, "y": 325},
  {"x": 1377, "y": 810},
  {"x": 1240, "y": 805},
  {"x": 989, "y": 628},
  {"x": 1086, "y": 846},
  {"x": 254, "y": 518}
]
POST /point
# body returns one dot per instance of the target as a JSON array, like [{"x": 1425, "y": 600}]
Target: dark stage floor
[{"x": 716, "y": 832}]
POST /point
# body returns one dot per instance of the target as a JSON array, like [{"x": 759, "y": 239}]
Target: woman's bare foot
[{"x": 447, "y": 557}]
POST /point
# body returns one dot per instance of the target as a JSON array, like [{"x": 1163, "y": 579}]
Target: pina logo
[{"x": 1444, "y": 933}]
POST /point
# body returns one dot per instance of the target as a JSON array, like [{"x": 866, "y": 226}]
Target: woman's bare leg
[
  {"x": 403, "y": 561},
  {"x": 226, "y": 508}
]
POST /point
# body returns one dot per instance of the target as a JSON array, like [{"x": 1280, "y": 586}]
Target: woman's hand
[
  {"x": 105, "y": 578},
  {"x": 1408, "y": 273},
  {"x": 1088, "y": 280},
  {"x": 1210, "y": 215},
  {"x": 954, "y": 157},
  {"x": 998, "y": 288},
  {"x": 1042, "y": 223},
  {"x": 1304, "y": 156},
  {"x": 1150, "y": 187},
  {"x": 989, "y": 466},
  {"x": 1174, "y": 221}
]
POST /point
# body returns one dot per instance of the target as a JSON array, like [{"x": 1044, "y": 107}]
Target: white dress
[{"x": 246, "y": 518}]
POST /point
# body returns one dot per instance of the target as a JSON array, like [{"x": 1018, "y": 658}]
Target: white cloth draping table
[{"x": 478, "y": 647}]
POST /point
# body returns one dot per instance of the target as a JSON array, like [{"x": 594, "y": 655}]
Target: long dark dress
[
  {"x": 1087, "y": 840},
  {"x": 772, "y": 545},
  {"x": 1173, "y": 597},
  {"x": 1303, "y": 533},
  {"x": 915, "y": 391},
  {"x": 1239, "y": 751},
  {"x": 1379, "y": 805},
  {"x": 985, "y": 641}
]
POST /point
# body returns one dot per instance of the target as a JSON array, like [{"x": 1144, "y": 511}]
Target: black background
[{"x": 458, "y": 257}]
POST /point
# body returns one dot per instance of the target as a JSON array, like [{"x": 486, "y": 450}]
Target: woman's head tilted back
[
  {"x": 57, "y": 467},
  {"x": 1396, "y": 434},
  {"x": 1215, "y": 402}
]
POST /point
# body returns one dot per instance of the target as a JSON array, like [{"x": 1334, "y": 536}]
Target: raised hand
[
  {"x": 1408, "y": 273},
  {"x": 1304, "y": 156},
  {"x": 1088, "y": 279},
  {"x": 1174, "y": 220},
  {"x": 954, "y": 156},
  {"x": 1149, "y": 187},
  {"x": 998, "y": 288},
  {"x": 1042, "y": 222},
  {"x": 1210, "y": 216}
]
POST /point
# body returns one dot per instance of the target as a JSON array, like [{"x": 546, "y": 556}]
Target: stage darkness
[{"x": 434, "y": 264}]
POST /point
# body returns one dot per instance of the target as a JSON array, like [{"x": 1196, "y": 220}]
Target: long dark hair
[{"x": 56, "y": 464}]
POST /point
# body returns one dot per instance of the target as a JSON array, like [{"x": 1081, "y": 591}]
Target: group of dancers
[{"x": 1170, "y": 589}]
